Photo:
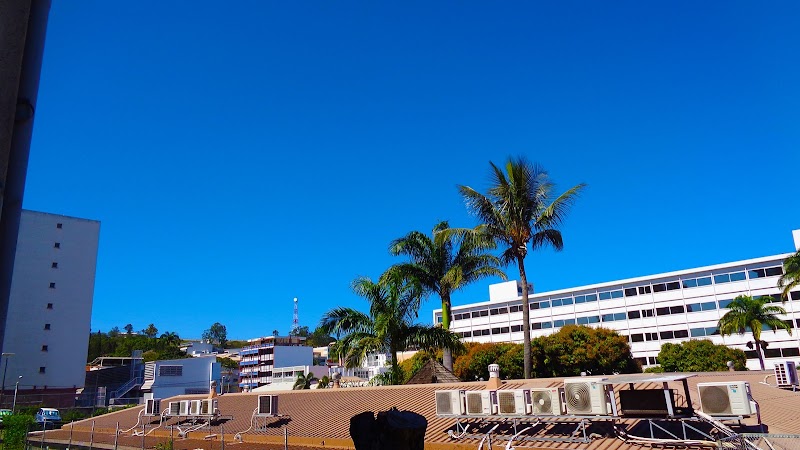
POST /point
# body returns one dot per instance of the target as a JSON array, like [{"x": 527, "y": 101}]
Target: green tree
[
  {"x": 319, "y": 338},
  {"x": 169, "y": 339},
  {"x": 746, "y": 313},
  {"x": 576, "y": 348},
  {"x": 445, "y": 262},
  {"x": 151, "y": 331},
  {"x": 114, "y": 332},
  {"x": 474, "y": 364},
  {"x": 791, "y": 275},
  {"x": 520, "y": 210},
  {"x": 699, "y": 355},
  {"x": 128, "y": 329},
  {"x": 228, "y": 363},
  {"x": 217, "y": 334},
  {"x": 389, "y": 326},
  {"x": 304, "y": 381},
  {"x": 324, "y": 382},
  {"x": 300, "y": 331}
]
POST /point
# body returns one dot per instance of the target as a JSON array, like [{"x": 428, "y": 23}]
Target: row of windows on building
[
  {"x": 751, "y": 354},
  {"x": 635, "y": 337},
  {"x": 693, "y": 307}
]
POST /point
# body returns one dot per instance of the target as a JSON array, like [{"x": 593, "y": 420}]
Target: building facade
[
  {"x": 650, "y": 311},
  {"x": 50, "y": 308},
  {"x": 258, "y": 359},
  {"x": 169, "y": 378}
]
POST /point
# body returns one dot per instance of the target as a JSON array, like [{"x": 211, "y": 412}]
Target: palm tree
[
  {"x": 323, "y": 382},
  {"x": 444, "y": 263},
  {"x": 303, "y": 381},
  {"x": 389, "y": 326},
  {"x": 170, "y": 339},
  {"x": 791, "y": 275},
  {"x": 518, "y": 210},
  {"x": 748, "y": 313}
]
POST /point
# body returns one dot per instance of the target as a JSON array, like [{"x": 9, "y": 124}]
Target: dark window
[
  {"x": 47, "y": 326},
  {"x": 54, "y": 265},
  {"x": 708, "y": 306},
  {"x": 516, "y": 308},
  {"x": 616, "y": 294},
  {"x": 647, "y": 313},
  {"x": 607, "y": 317},
  {"x": 639, "y": 337},
  {"x": 536, "y": 326},
  {"x": 466, "y": 334},
  {"x": 52, "y": 285},
  {"x": 794, "y": 295},
  {"x": 544, "y": 304},
  {"x": 661, "y": 287},
  {"x": 737, "y": 276},
  {"x": 594, "y": 319},
  {"x": 556, "y": 302},
  {"x": 724, "y": 278},
  {"x": 42, "y": 369},
  {"x": 662, "y": 311},
  {"x": 484, "y": 313},
  {"x": 667, "y": 334},
  {"x": 676, "y": 309},
  {"x": 681, "y": 334},
  {"x": 516, "y": 328},
  {"x": 697, "y": 332},
  {"x": 641, "y": 360},
  {"x": 605, "y": 295},
  {"x": 57, "y": 245},
  {"x": 693, "y": 307},
  {"x": 619, "y": 316},
  {"x": 49, "y": 306},
  {"x": 774, "y": 271},
  {"x": 634, "y": 315},
  {"x": 671, "y": 286},
  {"x": 59, "y": 225},
  {"x": 705, "y": 281},
  {"x": 44, "y": 348},
  {"x": 787, "y": 352},
  {"x": 170, "y": 371},
  {"x": 630, "y": 292},
  {"x": 652, "y": 360},
  {"x": 651, "y": 336},
  {"x": 566, "y": 301},
  {"x": 495, "y": 330},
  {"x": 547, "y": 324},
  {"x": 689, "y": 283},
  {"x": 644, "y": 290},
  {"x": 502, "y": 310},
  {"x": 580, "y": 299},
  {"x": 712, "y": 331},
  {"x": 475, "y": 314},
  {"x": 756, "y": 273},
  {"x": 583, "y": 320},
  {"x": 569, "y": 322},
  {"x": 591, "y": 297},
  {"x": 724, "y": 303},
  {"x": 558, "y": 323},
  {"x": 772, "y": 353},
  {"x": 485, "y": 332},
  {"x": 751, "y": 354}
]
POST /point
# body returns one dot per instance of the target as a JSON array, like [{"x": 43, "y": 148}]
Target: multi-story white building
[
  {"x": 169, "y": 378},
  {"x": 651, "y": 310},
  {"x": 258, "y": 359},
  {"x": 374, "y": 364},
  {"x": 50, "y": 306}
]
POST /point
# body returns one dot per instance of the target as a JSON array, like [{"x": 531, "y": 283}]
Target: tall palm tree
[
  {"x": 444, "y": 263},
  {"x": 169, "y": 339},
  {"x": 303, "y": 381},
  {"x": 748, "y": 313},
  {"x": 389, "y": 325},
  {"x": 791, "y": 275},
  {"x": 520, "y": 209}
]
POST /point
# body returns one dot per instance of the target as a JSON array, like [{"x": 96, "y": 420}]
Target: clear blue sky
[{"x": 242, "y": 155}]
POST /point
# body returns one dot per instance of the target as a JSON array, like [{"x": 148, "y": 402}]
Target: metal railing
[{"x": 760, "y": 441}]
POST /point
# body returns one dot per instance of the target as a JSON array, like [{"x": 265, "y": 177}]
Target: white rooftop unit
[
  {"x": 786, "y": 374},
  {"x": 174, "y": 409},
  {"x": 481, "y": 403},
  {"x": 586, "y": 396},
  {"x": 514, "y": 402},
  {"x": 267, "y": 405},
  {"x": 209, "y": 407},
  {"x": 725, "y": 399},
  {"x": 195, "y": 407},
  {"x": 546, "y": 402},
  {"x": 152, "y": 407},
  {"x": 450, "y": 403}
]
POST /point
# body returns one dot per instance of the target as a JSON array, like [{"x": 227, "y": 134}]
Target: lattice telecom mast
[{"x": 296, "y": 321}]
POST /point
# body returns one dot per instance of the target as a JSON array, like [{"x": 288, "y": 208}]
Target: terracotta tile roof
[{"x": 323, "y": 415}]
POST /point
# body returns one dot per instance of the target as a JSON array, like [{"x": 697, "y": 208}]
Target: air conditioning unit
[
  {"x": 514, "y": 402},
  {"x": 209, "y": 407},
  {"x": 546, "y": 402},
  {"x": 725, "y": 399},
  {"x": 152, "y": 407},
  {"x": 786, "y": 374},
  {"x": 174, "y": 409},
  {"x": 450, "y": 403},
  {"x": 267, "y": 405},
  {"x": 185, "y": 407},
  {"x": 482, "y": 403},
  {"x": 195, "y": 407},
  {"x": 586, "y": 396}
]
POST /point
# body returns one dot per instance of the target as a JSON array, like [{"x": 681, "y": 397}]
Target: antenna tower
[{"x": 296, "y": 320}]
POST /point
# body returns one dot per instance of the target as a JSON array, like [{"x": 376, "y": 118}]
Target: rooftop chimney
[{"x": 494, "y": 377}]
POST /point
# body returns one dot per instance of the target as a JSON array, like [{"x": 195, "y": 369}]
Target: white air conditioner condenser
[
  {"x": 174, "y": 409},
  {"x": 725, "y": 399},
  {"x": 482, "y": 403},
  {"x": 514, "y": 402},
  {"x": 185, "y": 407},
  {"x": 546, "y": 402},
  {"x": 586, "y": 396},
  {"x": 152, "y": 407},
  {"x": 195, "y": 407},
  {"x": 267, "y": 405},
  {"x": 450, "y": 403}
]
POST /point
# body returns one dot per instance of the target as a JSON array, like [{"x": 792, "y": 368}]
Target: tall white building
[
  {"x": 50, "y": 307},
  {"x": 650, "y": 311},
  {"x": 266, "y": 354}
]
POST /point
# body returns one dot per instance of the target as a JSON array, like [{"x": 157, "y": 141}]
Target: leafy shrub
[
  {"x": 700, "y": 355},
  {"x": 15, "y": 429}
]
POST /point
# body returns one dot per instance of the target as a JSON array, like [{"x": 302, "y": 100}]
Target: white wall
[
  {"x": 69, "y": 319},
  {"x": 197, "y": 375},
  {"x": 293, "y": 356}
]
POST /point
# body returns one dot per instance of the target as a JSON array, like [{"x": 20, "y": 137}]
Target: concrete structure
[
  {"x": 373, "y": 365},
  {"x": 200, "y": 349},
  {"x": 51, "y": 301},
  {"x": 169, "y": 378},
  {"x": 265, "y": 353},
  {"x": 651, "y": 310}
]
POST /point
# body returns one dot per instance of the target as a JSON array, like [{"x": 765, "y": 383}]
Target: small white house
[{"x": 169, "y": 378}]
